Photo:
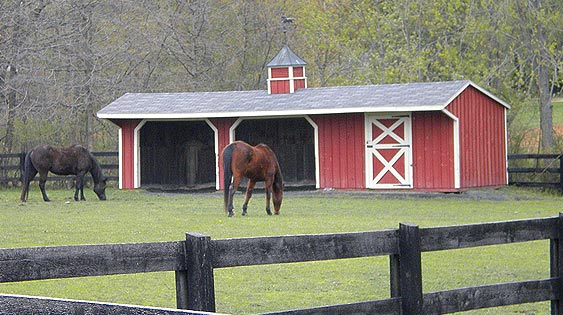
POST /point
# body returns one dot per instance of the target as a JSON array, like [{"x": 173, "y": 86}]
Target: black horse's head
[{"x": 100, "y": 189}]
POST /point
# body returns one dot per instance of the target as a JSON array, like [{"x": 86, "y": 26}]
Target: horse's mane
[{"x": 96, "y": 171}]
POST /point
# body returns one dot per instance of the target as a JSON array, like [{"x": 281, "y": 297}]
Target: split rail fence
[
  {"x": 194, "y": 260},
  {"x": 536, "y": 170}
]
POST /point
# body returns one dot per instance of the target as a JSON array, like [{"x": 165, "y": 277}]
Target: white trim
[
  {"x": 457, "y": 154},
  {"x": 120, "y": 156},
  {"x": 216, "y": 142},
  {"x": 316, "y": 142},
  {"x": 234, "y": 126},
  {"x": 506, "y": 144},
  {"x": 291, "y": 112},
  {"x": 291, "y": 82},
  {"x": 269, "y": 79},
  {"x": 137, "y": 154}
]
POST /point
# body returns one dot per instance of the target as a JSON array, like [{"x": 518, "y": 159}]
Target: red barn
[{"x": 436, "y": 136}]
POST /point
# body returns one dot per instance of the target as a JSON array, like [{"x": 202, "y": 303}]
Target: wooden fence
[
  {"x": 194, "y": 260},
  {"x": 536, "y": 170},
  {"x": 11, "y": 166}
]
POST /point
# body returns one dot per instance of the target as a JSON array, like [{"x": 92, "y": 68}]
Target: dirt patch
[{"x": 492, "y": 194}]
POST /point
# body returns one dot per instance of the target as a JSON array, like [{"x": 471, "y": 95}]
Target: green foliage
[
  {"x": 74, "y": 57},
  {"x": 138, "y": 216}
]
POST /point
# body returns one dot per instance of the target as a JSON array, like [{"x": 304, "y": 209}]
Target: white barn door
[{"x": 388, "y": 151}]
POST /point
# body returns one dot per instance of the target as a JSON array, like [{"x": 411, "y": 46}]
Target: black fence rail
[
  {"x": 194, "y": 260},
  {"x": 536, "y": 170},
  {"x": 11, "y": 166}
]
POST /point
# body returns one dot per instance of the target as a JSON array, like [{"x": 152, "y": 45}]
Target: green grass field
[{"x": 139, "y": 216}]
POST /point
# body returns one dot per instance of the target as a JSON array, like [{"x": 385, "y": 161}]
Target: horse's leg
[
  {"x": 249, "y": 190},
  {"x": 42, "y": 180},
  {"x": 79, "y": 187},
  {"x": 82, "y": 187},
  {"x": 232, "y": 189},
  {"x": 268, "y": 195}
]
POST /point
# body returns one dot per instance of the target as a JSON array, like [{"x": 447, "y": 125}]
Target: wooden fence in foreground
[{"x": 194, "y": 259}]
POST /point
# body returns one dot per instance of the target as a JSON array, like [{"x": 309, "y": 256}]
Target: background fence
[
  {"x": 529, "y": 170},
  {"x": 536, "y": 170},
  {"x": 11, "y": 166},
  {"x": 194, "y": 260}
]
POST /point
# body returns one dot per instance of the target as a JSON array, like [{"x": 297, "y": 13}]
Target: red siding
[
  {"x": 223, "y": 125},
  {"x": 280, "y": 72},
  {"x": 297, "y": 72},
  {"x": 341, "y": 151},
  {"x": 433, "y": 151},
  {"x": 482, "y": 139},
  {"x": 299, "y": 84},
  {"x": 279, "y": 87},
  {"x": 127, "y": 152}
]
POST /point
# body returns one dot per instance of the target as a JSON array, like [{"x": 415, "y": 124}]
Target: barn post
[
  {"x": 410, "y": 281},
  {"x": 195, "y": 288},
  {"x": 556, "y": 260}
]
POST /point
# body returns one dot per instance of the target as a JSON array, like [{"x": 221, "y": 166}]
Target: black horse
[{"x": 74, "y": 160}]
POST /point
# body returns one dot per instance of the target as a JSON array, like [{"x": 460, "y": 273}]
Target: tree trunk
[
  {"x": 10, "y": 98},
  {"x": 546, "y": 118}
]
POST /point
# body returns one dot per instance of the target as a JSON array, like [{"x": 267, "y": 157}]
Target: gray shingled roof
[
  {"x": 341, "y": 99},
  {"x": 286, "y": 57}
]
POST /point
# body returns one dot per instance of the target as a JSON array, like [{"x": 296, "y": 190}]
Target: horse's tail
[
  {"x": 227, "y": 171},
  {"x": 278, "y": 179},
  {"x": 27, "y": 170}
]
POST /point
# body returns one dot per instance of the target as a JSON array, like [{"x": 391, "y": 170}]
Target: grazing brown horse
[
  {"x": 257, "y": 163},
  {"x": 74, "y": 160}
]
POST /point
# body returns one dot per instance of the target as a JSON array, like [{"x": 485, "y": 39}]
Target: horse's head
[{"x": 100, "y": 189}]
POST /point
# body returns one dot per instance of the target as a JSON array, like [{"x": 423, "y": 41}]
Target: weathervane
[{"x": 285, "y": 24}]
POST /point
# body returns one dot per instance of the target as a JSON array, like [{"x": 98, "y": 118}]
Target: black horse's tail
[
  {"x": 227, "y": 171},
  {"x": 28, "y": 171}
]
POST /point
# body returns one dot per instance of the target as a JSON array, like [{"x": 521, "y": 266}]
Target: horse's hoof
[
  {"x": 269, "y": 213},
  {"x": 243, "y": 213},
  {"x": 231, "y": 214}
]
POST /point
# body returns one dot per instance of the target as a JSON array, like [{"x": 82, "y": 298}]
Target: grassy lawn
[{"x": 139, "y": 216}]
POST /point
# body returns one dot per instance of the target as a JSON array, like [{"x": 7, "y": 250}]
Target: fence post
[
  {"x": 556, "y": 262},
  {"x": 195, "y": 288},
  {"x": 410, "y": 269},
  {"x": 394, "y": 275}
]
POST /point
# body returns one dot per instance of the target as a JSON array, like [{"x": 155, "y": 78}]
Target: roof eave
[{"x": 385, "y": 109}]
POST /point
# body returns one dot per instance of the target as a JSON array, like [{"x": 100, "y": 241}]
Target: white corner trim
[
  {"x": 216, "y": 141},
  {"x": 457, "y": 156},
  {"x": 137, "y": 154},
  {"x": 316, "y": 140}
]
